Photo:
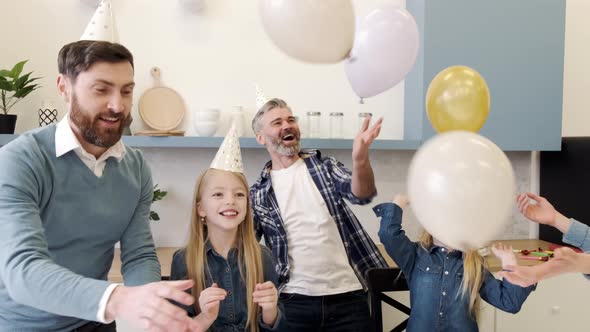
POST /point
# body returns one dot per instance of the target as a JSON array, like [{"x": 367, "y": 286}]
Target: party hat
[
  {"x": 260, "y": 98},
  {"x": 229, "y": 157},
  {"x": 102, "y": 26}
]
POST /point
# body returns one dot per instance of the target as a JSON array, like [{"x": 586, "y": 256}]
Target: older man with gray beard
[{"x": 322, "y": 251}]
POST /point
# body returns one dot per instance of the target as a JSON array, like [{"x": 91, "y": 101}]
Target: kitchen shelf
[{"x": 245, "y": 142}]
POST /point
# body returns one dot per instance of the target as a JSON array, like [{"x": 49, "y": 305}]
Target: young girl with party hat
[
  {"x": 446, "y": 285},
  {"x": 235, "y": 278}
]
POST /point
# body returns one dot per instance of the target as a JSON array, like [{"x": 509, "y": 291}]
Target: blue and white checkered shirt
[{"x": 333, "y": 181}]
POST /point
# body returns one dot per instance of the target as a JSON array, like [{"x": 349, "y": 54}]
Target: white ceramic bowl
[
  {"x": 207, "y": 115},
  {"x": 206, "y": 128}
]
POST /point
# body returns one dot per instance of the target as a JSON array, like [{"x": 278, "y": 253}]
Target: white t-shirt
[{"x": 318, "y": 260}]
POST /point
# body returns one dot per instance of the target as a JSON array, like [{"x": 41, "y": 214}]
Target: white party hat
[
  {"x": 229, "y": 157},
  {"x": 102, "y": 26},
  {"x": 260, "y": 98}
]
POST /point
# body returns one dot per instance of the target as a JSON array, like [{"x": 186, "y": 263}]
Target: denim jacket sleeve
[
  {"x": 502, "y": 294},
  {"x": 579, "y": 236},
  {"x": 393, "y": 237},
  {"x": 270, "y": 274},
  {"x": 178, "y": 271}
]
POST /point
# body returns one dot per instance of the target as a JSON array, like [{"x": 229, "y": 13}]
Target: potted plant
[
  {"x": 13, "y": 88},
  {"x": 158, "y": 195}
]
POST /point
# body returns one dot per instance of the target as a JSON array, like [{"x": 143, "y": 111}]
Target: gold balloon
[{"x": 458, "y": 98}]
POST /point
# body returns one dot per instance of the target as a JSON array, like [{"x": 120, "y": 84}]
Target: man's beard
[
  {"x": 287, "y": 151},
  {"x": 90, "y": 130}
]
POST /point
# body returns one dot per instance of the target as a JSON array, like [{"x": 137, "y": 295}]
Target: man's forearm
[{"x": 363, "y": 179}]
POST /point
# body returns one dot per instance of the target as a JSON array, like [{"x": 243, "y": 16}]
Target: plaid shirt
[{"x": 333, "y": 180}]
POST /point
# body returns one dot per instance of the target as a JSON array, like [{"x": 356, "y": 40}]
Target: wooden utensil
[{"x": 160, "y": 107}]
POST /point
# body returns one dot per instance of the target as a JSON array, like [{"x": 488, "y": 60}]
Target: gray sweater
[{"x": 58, "y": 227}]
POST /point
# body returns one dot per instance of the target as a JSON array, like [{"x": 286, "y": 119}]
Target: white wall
[
  {"x": 576, "y": 103},
  {"x": 211, "y": 58}
]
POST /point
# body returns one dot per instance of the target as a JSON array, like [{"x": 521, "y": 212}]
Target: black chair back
[{"x": 382, "y": 280}]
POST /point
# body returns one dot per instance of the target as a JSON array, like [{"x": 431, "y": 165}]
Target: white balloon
[
  {"x": 317, "y": 31},
  {"x": 385, "y": 50},
  {"x": 462, "y": 188}
]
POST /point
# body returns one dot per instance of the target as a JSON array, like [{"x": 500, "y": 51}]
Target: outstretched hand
[
  {"x": 364, "y": 139},
  {"x": 505, "y": 254},
  {"x": 539, "y": 210},
  {"x": 564, "y": 260},
  {"x": 148, "y": 306},
  {"x": 401, "y": 200}
]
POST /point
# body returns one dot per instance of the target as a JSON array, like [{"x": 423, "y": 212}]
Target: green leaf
[
  {"x": 31, "y": 80},
  {"x": 4, "y": 73},
  {"x": 19, "y": 83},
  {"x": 17, "y": 69},
  {"x": 154, "y": 216},
  {"x": 158, "y": 194},
  {"x": 24, "y": 92},
  {"x": 5, "y": 85}
]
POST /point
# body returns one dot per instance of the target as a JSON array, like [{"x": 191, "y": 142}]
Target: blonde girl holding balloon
[{"x": 446, "y": 285}]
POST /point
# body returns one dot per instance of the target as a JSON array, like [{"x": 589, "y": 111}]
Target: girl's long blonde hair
[
  {"x": 249, "y": 255},
  {"x": 473, "y": 274}
]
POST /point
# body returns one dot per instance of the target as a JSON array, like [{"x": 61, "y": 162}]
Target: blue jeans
[{"x": 339, "y": 312}]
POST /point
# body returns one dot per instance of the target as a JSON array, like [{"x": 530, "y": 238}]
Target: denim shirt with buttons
[
  {"x": 434, "y": 277},
  {"x": 225, "y": 272}
]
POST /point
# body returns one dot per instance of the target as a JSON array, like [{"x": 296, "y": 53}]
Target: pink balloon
[{"x": 385, "y": 50}]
